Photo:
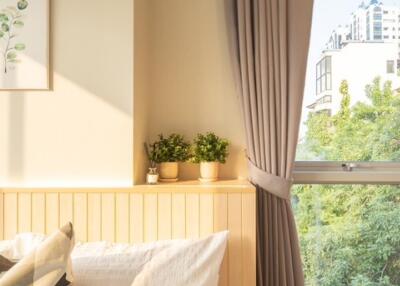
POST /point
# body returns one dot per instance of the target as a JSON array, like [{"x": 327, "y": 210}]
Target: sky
[{"x": 328, "y": 14}]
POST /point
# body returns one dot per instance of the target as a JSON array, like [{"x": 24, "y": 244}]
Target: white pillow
[
  {"x": 191, "y": 263},
  {"x": 110, "y": 264}
]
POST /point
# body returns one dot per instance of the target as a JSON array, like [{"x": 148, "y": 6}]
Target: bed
[{"x": 144, "y": 214}]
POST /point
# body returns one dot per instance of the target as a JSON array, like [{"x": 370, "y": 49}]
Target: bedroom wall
[
  {"x": 80, "y": 132},
  {"x": 189, "y": 84}
]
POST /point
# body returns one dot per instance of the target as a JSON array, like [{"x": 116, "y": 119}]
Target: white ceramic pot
[
  {"x": 169, "y": 171},
  {"x": 209, "y": 171}
]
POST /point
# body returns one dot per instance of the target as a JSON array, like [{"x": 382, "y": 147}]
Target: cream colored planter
[
  {"x": 209, "y": 171},
  {"x": 169, "y": 172}
]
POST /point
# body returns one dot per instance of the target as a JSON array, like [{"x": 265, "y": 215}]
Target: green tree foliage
[{"x": 350, "y": 235}]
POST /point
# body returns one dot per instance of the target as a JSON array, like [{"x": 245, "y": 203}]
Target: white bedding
[
  {"x": 190, "y": 263},
  {"x": 169, "y": 263}
]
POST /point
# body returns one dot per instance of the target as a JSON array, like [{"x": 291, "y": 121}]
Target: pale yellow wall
[
  {"x": 189, "y": 81},
  {"x": 80, "y": 133},
  {"x": 141, "y": 91}
]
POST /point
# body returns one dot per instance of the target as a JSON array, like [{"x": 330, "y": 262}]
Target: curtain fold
[{"x": 270, "y": 42}]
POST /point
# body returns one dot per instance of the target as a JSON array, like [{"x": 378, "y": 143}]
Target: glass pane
[
  {"x": 349, "y": 235},
  {"x": 328, "y": 81},
  {"x": 363, "y": 122},
  {"x": 323, "y": 66}
]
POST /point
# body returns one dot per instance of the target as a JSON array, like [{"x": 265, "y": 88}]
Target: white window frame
[{"x": 338, "y": 172}]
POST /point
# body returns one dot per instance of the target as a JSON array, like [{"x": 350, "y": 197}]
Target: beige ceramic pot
[
  {"x": 209, "y": 171},
  {"x": 169, "y": 172}
]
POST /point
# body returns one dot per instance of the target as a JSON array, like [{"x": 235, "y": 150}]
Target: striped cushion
[{"x": 48, "y": 264}]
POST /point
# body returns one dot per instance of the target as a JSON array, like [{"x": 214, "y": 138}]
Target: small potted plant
[
  {"x": 152, "y": 174},
  {"x": 209, "y": 150},
  {"x": 167, "y": 152}
]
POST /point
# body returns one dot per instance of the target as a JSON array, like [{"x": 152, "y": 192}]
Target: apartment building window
[
  {"x": 324, "y": 75},
  {"x": 346, "y": 197},
  {"x": 390, "y": 66},
  {"x": 327, "y": 99},
  {"x": 377, "y": 30}
]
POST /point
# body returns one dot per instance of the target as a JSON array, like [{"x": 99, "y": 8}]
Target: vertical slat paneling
[
  {"x": 249, "y": 238},
  {"x": 66, "y": 208},
  {"x": 150, "y": 217},
  {"x": 1, "y": 215},
  {"x": 178, "y": 215},
  {"x": 192, "y": 215},
  {"x": 122, "y": 217},
  {"x": 141, "y": 216},
  {"x": 11, "y": 215},
  {"x": 38, "y": 213},
  {"x": 235, "y": 239},
  {"x": 52, "y": 212},
  {"x": 164, "y": 216},
  {"x": 80, "y": 216},
  {"x": 24, "y": 212},
  {"x": 136, "y": 218},
  {"x": 108, "y": 217},
  {"x": 220, "y": 224},
  {"x": 206, "y": 214},
  {"x": 94, "y": 217}
]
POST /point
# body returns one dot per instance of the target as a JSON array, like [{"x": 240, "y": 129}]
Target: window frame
[{"x": 346, "y": 172}]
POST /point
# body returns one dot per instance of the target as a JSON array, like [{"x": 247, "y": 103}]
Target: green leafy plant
[
  {"x": 173, "y": 148},
  {"x": 209, "y": 148},
  {"x": 11, "y": 18}
]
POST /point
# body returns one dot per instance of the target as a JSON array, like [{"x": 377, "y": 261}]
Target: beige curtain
[{"x": 271, "y": 41}]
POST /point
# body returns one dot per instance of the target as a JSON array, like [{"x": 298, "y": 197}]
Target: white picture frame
[{"x": 24, "y": 44}]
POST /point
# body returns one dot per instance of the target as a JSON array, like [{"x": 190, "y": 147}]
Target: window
[
  {"x": 390, "y": 66},
  {"x": 349, "y": 234},
  {"x": 323, "y": 75},
  {"x": 346, "y": 196}
]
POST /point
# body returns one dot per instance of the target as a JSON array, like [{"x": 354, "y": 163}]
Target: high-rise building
[{"x": 365, "y": 48}]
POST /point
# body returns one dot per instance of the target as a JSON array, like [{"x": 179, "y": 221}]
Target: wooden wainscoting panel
[
  {"x": 164, "y": 214},
  {"x": 66, "y": 208},
  {"x": 235, "y": 239},
  {"x": 220, "y": 224},
  {"x": 249, "y": 238},
  {"x": 94, "y": 217},
  {"x": 52, "y": 211},
  {"x": 150, "y": 217},
  {"x": 178, "y": 215},
  {"x": 108, "y": 216},
  {"x": 144, "y": 214},
  {"x": 192, "y": 215},
  {"x": 24, "y": 212},
  {"x": 38, "y": 213},
  {"x": 1, "y": 215},
  {"x": 80, "y": 216},
  {"x": 137, "y": 218},
  {"x": 206, "y": 214},
  {"x": 10, "y": 208},
  {"x": 122, "y": 218}
]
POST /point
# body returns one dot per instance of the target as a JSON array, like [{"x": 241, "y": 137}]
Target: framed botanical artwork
[{"x": 24, "y": 44}]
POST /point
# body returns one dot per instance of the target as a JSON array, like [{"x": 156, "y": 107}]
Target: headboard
[{"x": 142, "y": 214}]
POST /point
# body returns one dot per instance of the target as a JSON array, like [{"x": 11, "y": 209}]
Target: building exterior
[
  {"x": 366, "y": 48},
  {"x": 357, "y": 62}
]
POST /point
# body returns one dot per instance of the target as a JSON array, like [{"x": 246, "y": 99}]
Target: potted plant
[
  {"x": 167, "y": 152},
  {"x": 209, "y": 150}
]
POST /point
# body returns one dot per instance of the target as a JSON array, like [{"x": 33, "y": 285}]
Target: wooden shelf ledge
[{"x": 180, "y": 187}]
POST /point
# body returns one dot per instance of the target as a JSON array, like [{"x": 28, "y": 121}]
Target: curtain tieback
[{"x": 271, "y": 183}]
